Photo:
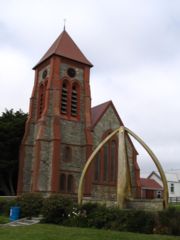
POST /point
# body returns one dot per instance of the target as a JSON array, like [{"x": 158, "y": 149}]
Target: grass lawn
[
  {"x": 4, "y": 219},
  {"x": 55, "y": 232},
  {"x": 177, "y": 206}
]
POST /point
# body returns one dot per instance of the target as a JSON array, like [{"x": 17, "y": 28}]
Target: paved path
[{"x": 22, "y": 222}]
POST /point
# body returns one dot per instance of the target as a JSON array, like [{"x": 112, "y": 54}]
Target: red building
[
  {"x": 62, "y": 130},
  {"x": 150, "y": 189}
]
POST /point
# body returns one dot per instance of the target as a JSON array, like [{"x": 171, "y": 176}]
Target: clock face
[
  {"x": 44, "y": 74},
  {"x": 71, "y": 72}
]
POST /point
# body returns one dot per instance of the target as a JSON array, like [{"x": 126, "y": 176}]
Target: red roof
[
  {"x": 150, "y": 184},
  {"x": 64, "y": 46},
  {"x": 98, "y": 111}
]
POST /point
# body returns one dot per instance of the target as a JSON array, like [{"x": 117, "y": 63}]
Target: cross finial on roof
[{"x": 64, "y": 24}]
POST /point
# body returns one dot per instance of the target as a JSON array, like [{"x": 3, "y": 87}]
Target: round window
[{"x": 71, "y": 72}]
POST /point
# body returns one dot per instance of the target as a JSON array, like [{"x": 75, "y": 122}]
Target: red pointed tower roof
[{"x": 64, "y": 46}]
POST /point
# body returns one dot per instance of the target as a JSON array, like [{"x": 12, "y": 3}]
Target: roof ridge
[{"x": 101, "y": 104}]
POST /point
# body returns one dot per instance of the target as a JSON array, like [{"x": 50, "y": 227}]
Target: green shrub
[
  {"x": 3, "y": 203},
  {"x": 168, "y": 222},
  {"x": 30, "y": 204},
  {"x": 99, "y": 216},
  {"x": 89, "y": 207},
  {"x": 57, "y": 209},
  {"x": 91, "y": 215},
  {"x": 141, "y": 221},
  {"x": 118, "y": 219},
  {"x": 6, "y": 204},
  {"x": 60, "y": 210}
]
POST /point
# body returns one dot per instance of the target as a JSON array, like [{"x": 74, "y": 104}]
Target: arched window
[
  {"x": 41, "y": 99},
  {"x": 106, "y": 159},
  {"x": 97, "y": 167},
  {"x": 62, "y": 182},
  {"x": 67, "y": 157},
  {"x": 70, "y": 184},
  {"x": 74, "y": 100},
  {"x": 70, "y": 99},
  {"x": 113, "y": 161},
  {"x": 105, "y": 164},
  {"x": 64, "y": 98}
]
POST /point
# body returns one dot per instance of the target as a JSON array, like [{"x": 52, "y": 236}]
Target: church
[{"x": 63, "y": 129}]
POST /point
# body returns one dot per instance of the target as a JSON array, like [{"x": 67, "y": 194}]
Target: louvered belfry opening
[
  {"x": 64, "y": 98},
  {"x": 74, "y": 101}
]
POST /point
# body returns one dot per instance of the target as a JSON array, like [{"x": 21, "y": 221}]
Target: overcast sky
[{"x": 134, "y": 46}]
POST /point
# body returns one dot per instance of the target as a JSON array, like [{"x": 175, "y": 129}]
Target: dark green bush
[
  {"x": 6, "y": 204},
  {"x": 3, "y": 203},
  {"x": 141, "y": 221},
  {"x": 62, "y": 210},
  {"x": 30, "y": 204},
  {"x": 97, "y": 217},
  {"x": 118, "y": 219},
  {"x": 57, "y": 209},
  {"x": 92, "y": 215},
  {"x": 169, "y": 222}
]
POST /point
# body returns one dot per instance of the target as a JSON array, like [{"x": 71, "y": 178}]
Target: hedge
[
  {"x": 57, "y": 209},
  {"x": 30, "y": 204}
]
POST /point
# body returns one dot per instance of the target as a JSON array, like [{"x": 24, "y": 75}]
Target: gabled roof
[
  {"x": 98, "y": 111},
  {"x": 171, "y": 176},
  {"x": 154, "y": 173},
  {"x": 64, "y": 46},
  {"x": 147, "y": 183}
]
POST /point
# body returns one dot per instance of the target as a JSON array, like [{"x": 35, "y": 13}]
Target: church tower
[{"x": 57, "y": 139}]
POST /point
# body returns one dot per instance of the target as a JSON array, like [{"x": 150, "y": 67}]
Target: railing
[{"x": 174, "y": 200}]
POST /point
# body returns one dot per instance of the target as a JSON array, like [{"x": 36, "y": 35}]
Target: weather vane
[{"x": 64, "y": 24}]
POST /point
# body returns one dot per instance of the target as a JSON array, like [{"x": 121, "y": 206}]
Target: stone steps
[{"x": 23, "y": 222}]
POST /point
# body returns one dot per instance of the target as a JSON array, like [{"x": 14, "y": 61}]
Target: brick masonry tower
[
  {"x": 62, "y": 130},
  {"x": 58, "y": 138}
]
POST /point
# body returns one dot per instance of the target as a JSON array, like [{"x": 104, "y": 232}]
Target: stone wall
[
  {"x": 29, "y": 150},
  {"x": 108, "y": 121},
  {"x": 77, "y": 160},
  {"x": 45, "y": 166},
  {"x": 73, "y": 132},
  {"x": 104, "y": 192},
  {"x": 154, "y": 204},
  {"x": 137, "y": 204}
]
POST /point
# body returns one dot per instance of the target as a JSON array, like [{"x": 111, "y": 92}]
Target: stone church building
[{"x": 63, "y": 129}]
